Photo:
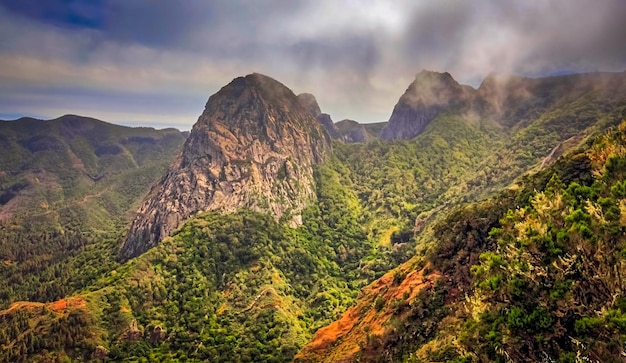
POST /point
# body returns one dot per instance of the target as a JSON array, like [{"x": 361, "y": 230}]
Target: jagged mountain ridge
[
  {"x": 511, "y": 101},
  {"x": 254, "y": 146}
]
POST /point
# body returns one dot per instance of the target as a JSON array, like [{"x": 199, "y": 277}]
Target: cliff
[{"x": 254, "y": 146}]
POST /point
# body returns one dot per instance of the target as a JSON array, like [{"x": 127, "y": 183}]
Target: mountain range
[{"x": 475, "y": 225}]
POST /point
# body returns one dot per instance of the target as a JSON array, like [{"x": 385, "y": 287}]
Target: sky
[{"x": 156, "y": 62}]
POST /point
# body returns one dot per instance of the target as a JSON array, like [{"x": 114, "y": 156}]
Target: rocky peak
[
  {"x": 309, "y": 102},
  {"x": 427, "y": 96},
  {"x": 329, "y": 125},
  {"x": 254, "y": 146}
]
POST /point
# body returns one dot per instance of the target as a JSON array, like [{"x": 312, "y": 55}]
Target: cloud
[{"x": 356, "y": 56}]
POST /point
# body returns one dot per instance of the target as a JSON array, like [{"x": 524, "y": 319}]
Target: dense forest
[
  {"x": 533, "y": 274},
  {"x": 477, "y": 240}
]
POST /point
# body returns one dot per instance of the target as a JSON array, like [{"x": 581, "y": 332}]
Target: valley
[{"x": 477, "y": 224}]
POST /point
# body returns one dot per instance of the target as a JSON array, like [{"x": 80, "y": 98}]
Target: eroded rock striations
[
  {"x": 430, "y": 94},
  {"x": 253, "y": 146}
]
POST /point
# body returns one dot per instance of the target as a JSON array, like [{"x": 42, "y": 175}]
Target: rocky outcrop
[
  {"x": 329, "y": 125},
  {"x": 352, "y": 131},
  {"x": 309, "y": 102},
  {"x": 430, "y": 94},
  {"x": 100, "y": 353},
  {"x": 254, "y": 146}
]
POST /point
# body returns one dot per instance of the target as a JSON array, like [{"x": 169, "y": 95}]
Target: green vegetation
[
  {"x": 67, "y": 190},
  {"x": 534, "y": 273},
  {"x": 553, "y": 284},
  {"x": 239, "y": 287}
]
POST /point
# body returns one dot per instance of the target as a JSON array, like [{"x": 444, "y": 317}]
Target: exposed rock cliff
[
  {"x": 253, "y": 146},
  {"x": 309, "y": 102},
  {"x": 329, "y": 125},
  {"x": 430, "y": 94}
]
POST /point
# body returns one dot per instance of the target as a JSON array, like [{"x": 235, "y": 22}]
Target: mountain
[
  {"x": 494, "y": 232},
  {"x": 254, "y": 146},
  {"x": 515, "y": 101},
  {"x": 309, "y": 102},
  {"x": 74, "y": 160},
  {"x": 430, "y": 94},
  {"x": 329, "y": 125},
  {"x": 352, "y": 131},
  {"x": 531, "y": 274},
  {"x": 68, "y": 187}
]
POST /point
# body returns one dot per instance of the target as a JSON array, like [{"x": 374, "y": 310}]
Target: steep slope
[
  {"x": 544, "y": 118},
  {"x": 245, "y": 287},
  {"x": 309, "y": 102},
  {"x": 224, "y": 288},
  {"x": 253, "y": 146},
  {"x": 514, "y": 102},
  {"x": 329, "y": 125},
  {"x": 430, "y": 94},
  {"x": 534, "y": 274}
]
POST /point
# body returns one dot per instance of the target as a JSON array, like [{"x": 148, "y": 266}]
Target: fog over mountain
[{"x": 154, "y": 62}]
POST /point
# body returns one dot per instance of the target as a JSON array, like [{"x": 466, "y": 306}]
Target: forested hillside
[
  {"x": 494, "y": 234},
  {"x": 68, "y": 187},
  {"x": 534, "y": 274}
]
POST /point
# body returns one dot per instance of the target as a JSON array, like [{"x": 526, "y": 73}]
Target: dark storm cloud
[
  {"x": 356, "y": 56},
  {"x": 66, "y": 13}
]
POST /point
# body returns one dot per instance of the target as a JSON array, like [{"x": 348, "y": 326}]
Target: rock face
[
  {"x": 329, "y": 125},
  {"x": 309, "y": 102},
  {"x": 253, "y": 146},
  {"x": 430, "y": 94},
  {"x": 352, "y": 131}
]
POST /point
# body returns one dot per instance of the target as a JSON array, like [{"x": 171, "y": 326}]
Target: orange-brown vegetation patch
[
  {"x": 327, "y": 336},
  {"x": 342, "y": 339},
  {"x": 76, "y": 302}
]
